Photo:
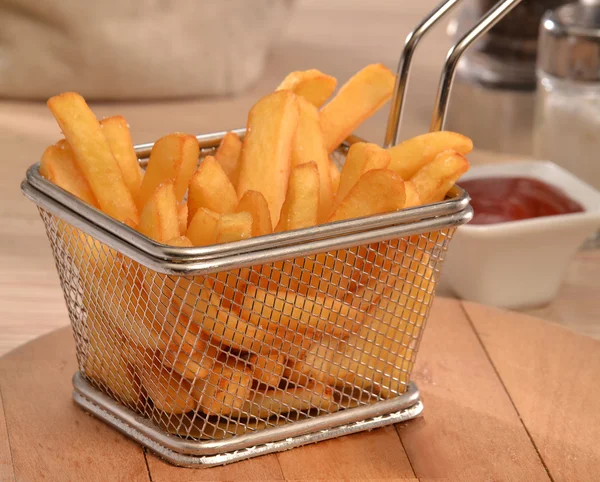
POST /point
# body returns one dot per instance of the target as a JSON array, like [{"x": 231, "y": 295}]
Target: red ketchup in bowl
[{"x": 503, "y": 199}]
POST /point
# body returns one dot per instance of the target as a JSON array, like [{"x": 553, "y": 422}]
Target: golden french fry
[
  {"x": 223, "y": 325},
  {"x": 316, "y": 87},
  {"x": 362, "y": 157},
  {"x": 116, "y": 131},
  {"x": 412, "y": 196},
  {"x": 309, "y": 145},
  {"x": 58, "y": 166},
  {"x": 365, "y": 363},
  {"x": 93, "y": 155},
  {"x": 182, "y": 217},
  {"x": 301, "y": 206},
  {"x": 234, "y": 227},
  {"x": 268, "y": 368},
  {"x": 107, "y": 366},
  {"x": 191, "y": 355},
  {"x": 202, "y": 230},
  {"x": 225, "y": 391},
  {"x": 168, "y": 390},
  {"x": 210, "y": 188},
  {"x": 203, "y": 304},
  {"x": 180, "y": 241},
  {"x": 131, "y": 223},
  {"x": 105, "y": 361},
  {"x": 301, "y": 314},
  {"x": 130, "y": 311},
  {"x": 357, "y": 100},
  {"x": 434, "y": 180},
  {"x": 173, "y": 158},
  {"x": 159, "y": 216},
  {"x": 256, "y": 204},
  {"x": 376, "y": 356},
  {"x": 335, "y": 177},
  {"x": 377, "y": 191},
  {"x": 266, "y": 152},
  {"x": 316, "y": 363},
  {"x": 277, "y": 401},
  {"x": 228, "y": 155},
  {"x": 411, "y": 155}
]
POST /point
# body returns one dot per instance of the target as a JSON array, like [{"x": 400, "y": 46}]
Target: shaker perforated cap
[{"x": 569, "y": 42}]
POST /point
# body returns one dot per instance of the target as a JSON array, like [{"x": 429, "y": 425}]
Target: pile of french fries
[{"x": 273, "y": 338}]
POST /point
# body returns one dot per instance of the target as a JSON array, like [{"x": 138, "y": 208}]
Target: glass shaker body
[{"x": 567, "y": 125}]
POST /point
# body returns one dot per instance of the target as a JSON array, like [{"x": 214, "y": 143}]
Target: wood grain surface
[
  {"x": 507, "y": 397},
  {"x": 551, "y": 375},
  {"x": 470, "y": 430}
]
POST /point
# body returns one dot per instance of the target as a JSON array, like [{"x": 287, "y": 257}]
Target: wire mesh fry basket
[{"x": 210, "y": 355}]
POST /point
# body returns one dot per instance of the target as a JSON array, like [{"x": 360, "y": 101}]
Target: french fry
[
  {"x": 190, "y": 354},
  {"x": 362, "y": 157},
  {"x": 309, "y": 145},
  {"x": 301, "y": 206},
  {"x": 93, "y": 155},
  {"x": 266, "y": 152},
  {"x": 277, "y": 401},
  {"x": 316, "y": 87},
  {"x": 210, "y": 188},
  {"x": 105, "y": 362},
  {"x": 358, "y": 99},
  {"x": 335, "y": 177},
  {"x": 434, "y": 180},
  {"x": 202, "y": 230},
  {"x": 206, "y": 307},
  {"x": 159, "y": 217},
  {"x": 234, "y": 227},
  {"x": 173, "y": 158},
  {"x": 58, "y": 166},
  {"x": 225, "y": 344},
  {"x": 180, "y": 241},
  {"x": 225, "y": 326},
  {"x": 168, "y": 391},
  {"x": 228, "y": 155},
  {"x": 182, "y": 217},
  {"x": 300, "y": 314},
  {"x": 316, "y": 364},
  {"x": 364, "y": 362},
  {"x": 411, "y": 155},
  {"x": 377, "y": 191},
  {"x": 412, "y": 196},
  {"x": 226, "y": 389},
  {"x": 268, "y": 368},
  {"x": 376, "y": 356},
  {"x": 117, "y": 281},
  {"x": 131, "y": 223},
  {"x": 116, "y": 131},
  {"x": 256, "y": 204}
]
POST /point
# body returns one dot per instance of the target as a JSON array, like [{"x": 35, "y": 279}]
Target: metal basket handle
[{"x": 491, "y": 18}]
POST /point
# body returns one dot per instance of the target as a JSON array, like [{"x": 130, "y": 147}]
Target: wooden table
[{"x": 507, "y": 397}]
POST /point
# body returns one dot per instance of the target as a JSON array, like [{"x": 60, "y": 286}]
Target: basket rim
[{"x": 453, "y": 211}]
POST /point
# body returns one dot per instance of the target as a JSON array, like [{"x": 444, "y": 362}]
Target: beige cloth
[{"x": 135, "y": 49}]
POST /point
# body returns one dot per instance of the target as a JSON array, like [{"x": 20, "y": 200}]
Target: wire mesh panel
[{"x": 213, "y": 356}]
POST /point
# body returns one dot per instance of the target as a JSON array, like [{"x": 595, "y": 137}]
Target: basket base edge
[{"x": 110, "y": 412}]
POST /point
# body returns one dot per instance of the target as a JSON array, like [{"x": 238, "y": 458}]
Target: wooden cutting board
[{"x": 507, "y": 397}]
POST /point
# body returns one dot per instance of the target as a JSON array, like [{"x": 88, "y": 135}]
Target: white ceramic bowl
[{"x": 520, "y": 264}]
